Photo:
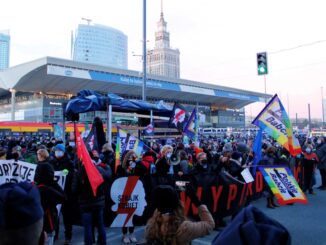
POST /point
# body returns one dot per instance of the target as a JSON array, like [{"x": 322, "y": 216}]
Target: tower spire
[{"x": 161, "y": 8}]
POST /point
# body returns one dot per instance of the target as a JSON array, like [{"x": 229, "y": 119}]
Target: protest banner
[
  {"x": 224, "y": 195},
  {"x": 130, "y": 199},
  {"x": 128, "y": 195},
  {"x": 283, "y": 185},
  {"x": 12, "y": 171}
]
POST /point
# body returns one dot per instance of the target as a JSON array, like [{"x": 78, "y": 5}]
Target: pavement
[{"x": 305, "y": 222}]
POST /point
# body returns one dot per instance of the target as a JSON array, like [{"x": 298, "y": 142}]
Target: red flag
[{"x": 94, "y": 176}]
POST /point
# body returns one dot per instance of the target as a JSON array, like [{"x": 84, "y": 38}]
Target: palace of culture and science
[{"x": 162, "y": 60}]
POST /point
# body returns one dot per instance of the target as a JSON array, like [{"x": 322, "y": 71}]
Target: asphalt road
[{"x": 306, "y": 223}]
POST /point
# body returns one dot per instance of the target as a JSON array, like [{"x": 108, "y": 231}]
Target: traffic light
[{"x": 262, "y": 63}]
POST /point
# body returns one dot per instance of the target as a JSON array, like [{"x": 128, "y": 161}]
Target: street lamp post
[
  {"x": 144, "y": 51},
  {"x": 322, "y": 106}
]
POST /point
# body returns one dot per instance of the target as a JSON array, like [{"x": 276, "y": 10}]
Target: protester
[
  {"x": 92, "y": 207},
  {"x": 321, "y": 153},
  {"x": 252, "y": 226},
  {"x": 269, "y": 159},
  {"x": 164, "y": 165},
  {"x": 21, "y": 215},
  {"x": 168, "y": 225},
  {"x": 184, "y": 162},
  {"x": 61, "y": 162},
  {"x": 310, "y": 160},
  {"x": 3, "y": 153},
  {"x": 235, "y": 168},
  {"x": 128, "y": 168},
  {"x": 51, "y": 194},
  {"x": 108, "y": 156},
  {"x": 30, "y": 154}
]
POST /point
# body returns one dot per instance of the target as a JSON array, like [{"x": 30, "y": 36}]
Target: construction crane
[{"x": 88, "y": 20}]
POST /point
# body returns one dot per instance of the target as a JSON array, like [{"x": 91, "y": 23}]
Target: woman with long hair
[
  {"x": 127, "y": 168},
  {"x": 169, "y": 226}
]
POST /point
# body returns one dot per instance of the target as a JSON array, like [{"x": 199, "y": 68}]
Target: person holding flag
[{"x": 88, "y": 184}]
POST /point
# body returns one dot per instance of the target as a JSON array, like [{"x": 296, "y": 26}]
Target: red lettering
[
  {"x": 243, "y": 196},
  {"x": 232, "y": 194},
  {"x": 186, "y": 201},
  {"x": 249, "y": 189},
  {"x": 216, "y": 196},
  {"x": 259, "y": 182}
]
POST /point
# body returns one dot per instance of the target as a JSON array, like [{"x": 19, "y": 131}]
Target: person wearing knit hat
[
  {"x": 168, "y": 225},
  {"x": 60, "y": 147},
  {"x": 21, "y": 214}
]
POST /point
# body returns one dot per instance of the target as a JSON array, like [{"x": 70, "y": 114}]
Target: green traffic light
[{"x": 262, "y": 70}]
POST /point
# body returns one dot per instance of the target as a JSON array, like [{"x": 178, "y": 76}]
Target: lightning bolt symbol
[
  {"x": 130, "y": 186},
  {"x": 177, "y": 117}
]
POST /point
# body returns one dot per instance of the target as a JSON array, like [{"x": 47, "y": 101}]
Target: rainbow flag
[
  {"x": 274, "y": 120},
  {"x": 126, "y": 142},
  {"x": 283, "y": 185}
]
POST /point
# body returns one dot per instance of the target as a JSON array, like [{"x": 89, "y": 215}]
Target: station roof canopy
[{"x": 60, "y": 76}]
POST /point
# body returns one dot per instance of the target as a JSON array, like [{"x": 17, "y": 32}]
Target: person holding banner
[
  {"x": 310, "y": 160},
  {"x": 128, "y": 168},
  {"x": 61, "y": 162},
  {"x": 168, "y": 225},
  {"x": 269, "y": 159}
]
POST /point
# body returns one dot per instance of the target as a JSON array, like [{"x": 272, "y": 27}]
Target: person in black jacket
[
  {"x": 91, "y": 207},
  {"x": 164, "y": 165},
  {"x": 61, "y": 162},
  {"x": 108, "y": 156},
  {"x": 51, "y": 193}
]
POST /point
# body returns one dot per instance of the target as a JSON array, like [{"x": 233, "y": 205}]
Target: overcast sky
[{"x": 218, "y": 40}]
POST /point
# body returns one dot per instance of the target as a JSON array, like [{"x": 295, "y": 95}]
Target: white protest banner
[
  {"x": 128, "y": 195},
  {"x": 12, "y": 171},
  {"x": 247, "y": 176}
]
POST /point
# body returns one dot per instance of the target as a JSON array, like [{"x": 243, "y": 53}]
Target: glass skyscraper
[
  {"x": 4, "y": 49},
  {"x": 101, "y": 45}
]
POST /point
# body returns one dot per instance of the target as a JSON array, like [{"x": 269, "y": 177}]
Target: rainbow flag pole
[{"x": 274, "y": 120}]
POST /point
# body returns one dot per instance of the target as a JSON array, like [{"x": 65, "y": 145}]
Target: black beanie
[
  {"x": 20, "y": 205},
  {"x": 165, "y": 198}
]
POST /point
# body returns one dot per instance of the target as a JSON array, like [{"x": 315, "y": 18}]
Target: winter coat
[
  {"x": 108, "y": 158},
  {"x": 189, "y": 230},
  {"x": 82, "y": 188},
  {"x": 321, "y": 153},
  {"x": 162, "y": 167},
  {"x": 60, "y": 164},
  {"x": 51, "y": 194}
]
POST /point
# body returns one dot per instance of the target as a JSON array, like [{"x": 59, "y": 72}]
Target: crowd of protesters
[{"x": 231, "y": 154}]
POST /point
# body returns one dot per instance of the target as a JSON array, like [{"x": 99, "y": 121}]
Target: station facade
[{"x": 37, "y": 91}]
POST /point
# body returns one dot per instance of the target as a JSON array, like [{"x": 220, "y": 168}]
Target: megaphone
[{"x": 175, "y": 159}]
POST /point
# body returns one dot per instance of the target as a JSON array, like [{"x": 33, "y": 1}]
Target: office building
[
  {"x": 100, "y": 45},
  {"x": 4, "y": 49}
]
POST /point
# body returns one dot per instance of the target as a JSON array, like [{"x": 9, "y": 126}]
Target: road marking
[
  {"x": 112, "y": 238},
  {"x": 201, "y": 242}
]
